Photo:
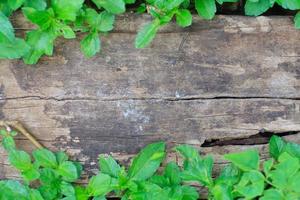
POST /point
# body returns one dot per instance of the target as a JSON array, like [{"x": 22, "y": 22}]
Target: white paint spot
[{"x": 177, "y": 94}]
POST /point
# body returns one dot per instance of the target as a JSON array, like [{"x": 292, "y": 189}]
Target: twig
[{"x": 20, "y": 128}]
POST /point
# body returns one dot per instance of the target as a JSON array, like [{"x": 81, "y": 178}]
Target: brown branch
[{"x": 20, "y": 128}]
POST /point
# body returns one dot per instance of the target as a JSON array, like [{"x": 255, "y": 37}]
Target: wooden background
[{"x": 222, "y": 86}]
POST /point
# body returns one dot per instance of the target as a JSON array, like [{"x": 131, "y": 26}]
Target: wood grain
[{"x": 229, "y": 79}]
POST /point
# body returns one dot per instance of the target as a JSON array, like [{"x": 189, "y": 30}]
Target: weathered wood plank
[{"x": 222, "y": 79}]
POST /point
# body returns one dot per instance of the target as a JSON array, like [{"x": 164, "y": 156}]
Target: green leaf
[
  {"x": 67, "y": 189},
  {"x": 171, "y": 4},
  {"x": 6, "y": 29},
  {"x": 45, "y": 158},
  {"x": 129, "y": 1},
  {"x": 5, "y": 8},
  {"x": 20, "y": 160},
  {"x": 257, "y": 8},
  {"x": 183, "y": 17},
  {"x": 112, "y": 6},
  {"x": 276, "y": 146},
  {"x": 289, "y": 4},
  {"x": 146, "y": 34},
  {"x": 229, "y": 175},
  {"x": 61, "y": 157},
  {"x": 172, "y": 172},
  {"x": 41, "y": 42},
  {"x": 90, "y": 45},
  {"x": 147, "y": 161},
  {"x": 206, "y": 8},
  {"x": 267, "y": 166},
  {"x": 106, "y": 22},
  {"x": 221, "y": 192},
  {"x": 49, "y": 177},
  {"x": 246, "y": 160},
  {"x": 36, "y": 4},
  {"x": 293, "y": 149},
  {"x": 35, "y": 195},
  {"x": 13, "y": 190},
  {"x": 251, "y": 185},
  {"x": 81, "y": 193},
  {"x": 225, "y": 1},
  {"x": 31, "y": 174},
  {"x": 68, "y": 171},
  {"x": 15, "y": 4},
  {"x": 8, "y": 142},
  {"x": 199, "y": 170},
  {"x": 272, "y": 194},
  {"x": 41, "y": 18},
  {"x": 66, "y": 9},
  {"x": 284, "y": 170},
  {"x": 66, "y": 31},
  {"x": 102, "y": 180},
  {"x": 188, "y": 152},
  {"x": 15, "y": 49},
  {"x": 189, "y": 193},
  {"x": 109, "y": 166}
]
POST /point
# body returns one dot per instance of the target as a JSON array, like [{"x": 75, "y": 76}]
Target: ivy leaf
[
  {"x": 109, "y": 166},
  {"x": 247, "y": 160},
  {"x": 36, "y": 4},
  {"x": 147, "y": 161},
  {"x": 206, "y": 8},
  {"x": 257, "y": 8},
  {"x": 20, "y": 160},
  {"x": 102, "y": 180},
  {"x": 129, "y": 1},
  {"x": 293, "y": 149},
  {"x": 41, "y": 42},
  {"x": 68, "y": 171},
  {"x": 112, "y": 6},
  {"x": 225, "y": 1},
  {"x": 45, "y": 158},
  {"x": 49, "y": 177},
  {"x": 276, "y": 146},
  {"x": 146, "y": 34},
  {"x": 183, "y": 17},
  {"x": 90, "y": 45},
  {"x": 267, "y": 166},
  {"x": 66, "y": 9}
]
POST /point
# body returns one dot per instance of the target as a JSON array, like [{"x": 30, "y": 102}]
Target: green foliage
[
  {"x": 245, "y": 177},
  {"x": 63, "y": 18}
]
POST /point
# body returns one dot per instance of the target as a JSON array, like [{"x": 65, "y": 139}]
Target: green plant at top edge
[{"x": 65, "y": 18}]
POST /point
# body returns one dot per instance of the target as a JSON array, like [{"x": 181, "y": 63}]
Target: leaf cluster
[
  {"x": 63, "y": 18},
  {"x": 52, "y": 176}
]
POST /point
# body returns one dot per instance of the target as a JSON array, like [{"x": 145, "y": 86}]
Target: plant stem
[{"x": 20, "y": 128}]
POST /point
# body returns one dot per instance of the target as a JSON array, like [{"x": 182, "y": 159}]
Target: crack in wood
[
  {"x": 186, "y": 98},
  {"x": 262, "y": 137}
]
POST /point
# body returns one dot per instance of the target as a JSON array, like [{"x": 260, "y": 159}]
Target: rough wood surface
[{"x": 218, "y": 84}]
